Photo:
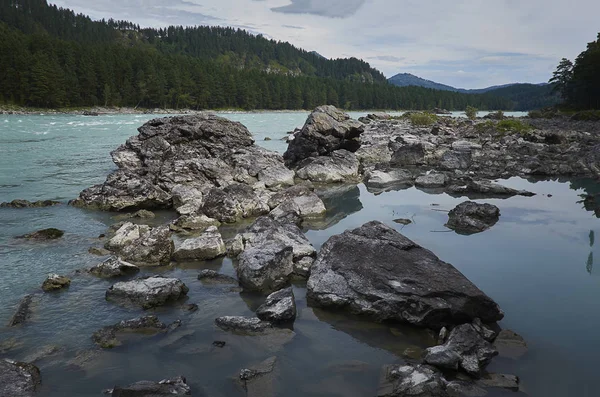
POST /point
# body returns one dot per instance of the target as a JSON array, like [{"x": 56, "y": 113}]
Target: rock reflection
[{"x": 340, "y": 201}]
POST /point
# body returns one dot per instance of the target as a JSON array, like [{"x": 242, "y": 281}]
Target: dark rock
[
  {"x": 28, "y": 204},
  {"x": 510, "y": 344},
  {"x": 470, "y": 217},
  {"x": 279, "y": 307},
  {"x": 98, "y": 251},
  {"x": 108, "y": 337},
  {"x": 114, "y": 267},
  {"x": 411, "y": 380},
  {"x": 326, "y": 130},
  {"x": 381, "y": 179},
  {"x": 465, "y": 349},
  {"x": 212, "y": 277},
  {"x": 142, "y": 245},
  {"x": 408, "y": 155},
  {"x": 46, "y": 234},
  {"x": 18, "y": 379},
  {"x": 147, "y": 292},
  {"x": 376, "y": 271},
  {"x": 219, "y": 343},
  {"x": 243, "y": 325},
  {"x": 403, "y": 221},
  {"x": 208, "y": 245},
  {"x": 23, "y": 311},
  {"x": 168, "y": 387},
  {"x": 487, "y": 189},
  {"x": 141, "y": 214},
  {"x": 234, "y": 203},
  {"x": 54, "y": 282},
  {"x": 191, "y": 307},
  {"x": 510, "y": 382}
]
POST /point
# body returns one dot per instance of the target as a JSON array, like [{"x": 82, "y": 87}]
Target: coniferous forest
[{"x": 52, "y": 57}]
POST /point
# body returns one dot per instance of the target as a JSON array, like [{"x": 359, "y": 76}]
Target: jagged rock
[
  {"x": 259, "y": 380},
  {"x": 465, "y": 349},
  {"x": 411, "y": 380},
  {"x": 235, "y": 246},
  {"x": 46, "y": 234},
  {"x": 484, "y": 330},
  {"x": 23, "y": 311},
  {"x": 302, "y": 207},
  {"x": 340, "y": 166},
  {"x": 108, "y": 337},
  {"x": 28, "y": 204},
  {"x": 455, "y": 160},
  {"x": 381, "y": 179},
  {"x": 510, "y": 382},
  {"x": 54, "y": 282},
  {"x": 195, "y": 222},
  {"x": 114, "y": 267},
  {"x": 98, "y": 251},
  {"x": 326, "y": 130},
  {"x": 243, "y": 325},
  {"x": 147, "y": 292},
  {"x": 186, "y": 199},
  {"x": 141, "y": 214},
  {"x": 510, "y": 344},
  {"x": 168, "y": 387},
  {"x": 212, "y": 277},
  {"x": 431, "y": 180},
  {"x": 207, "y": 246},
  {"x": 142, "y": 245},
  {"x": 408, "y": 155},
  {"x": 376, "y": 271},
  {"x": 233, "y": 203},
  {"x": 487, "y": 189},
  {"x": 18, "y": 379},
  {"x": 470, "y": 217},
  {"x": 279, "y": 307}
]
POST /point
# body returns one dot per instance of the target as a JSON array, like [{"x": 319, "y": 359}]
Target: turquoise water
[{"x": 537, "y": 263}]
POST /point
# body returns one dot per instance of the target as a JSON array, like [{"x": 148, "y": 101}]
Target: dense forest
[
  {"x": 528, "y": 96},
  {"x": 579, "y": 82},
  {"x": 52, "y": 57}
]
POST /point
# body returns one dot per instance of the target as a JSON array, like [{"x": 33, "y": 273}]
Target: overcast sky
[{"x": 464, "y": 43}]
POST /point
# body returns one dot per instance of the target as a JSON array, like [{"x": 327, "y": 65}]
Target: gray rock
[
  {"x": 326, "y": 130},
  {"x": 259, "y": 380},
  {"x": 234, "y": 203},
  {"x": 382, "y": 179},
  {"x": 279, "y": 307},
  {"x": 376, "y": 271},
  {"x": 168, "y": 387},
  {"x": 455, "y": 160},
  {"x": 265, "y": 268},
  {"x": 147, "y": 292},
  {"x": 141, "y": 214},
  {"x": 54, "y": 282},
  {"x": 18, "y": 379},
  {"x": 98, "y": 251},
  {"x": 465, "y": 349},
  {"x": 411, "y": 380},
  {"x": 470, "y": 217},
  {"x": 108, "y": 337},
  {"x": 305, "y": 207},
  {"x": 339, "y": 167},
  {"x": 510, "y": 344},
  {"x": 114, "y": 267},
  {"x": 207, "y": 246},
  {"x": 212, "y": 277},
  {"x": 243, "y": 325},
  {"x": 195, "y": 222},
  {"x": 142, "y": 245},
  {"x": 510, "y": 382},
  {"x": 408, "y": 155},
  {"x": 432, "y": 180},
  {"x": 487, "y": 189},
  {"x": 23, "y": 312}
]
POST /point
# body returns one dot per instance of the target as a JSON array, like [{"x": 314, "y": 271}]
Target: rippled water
[{"x": 537, "y": 263}]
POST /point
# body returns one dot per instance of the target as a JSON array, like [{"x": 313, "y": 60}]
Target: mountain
[{"x": 525, "y": 96}]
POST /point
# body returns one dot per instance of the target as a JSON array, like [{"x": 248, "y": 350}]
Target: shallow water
[{"x": 537, "y": 263}]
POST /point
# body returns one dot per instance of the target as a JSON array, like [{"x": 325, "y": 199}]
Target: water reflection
[{"x": 340, "y": 201}]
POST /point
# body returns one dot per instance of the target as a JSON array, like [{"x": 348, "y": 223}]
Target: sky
[{"x": 463, "y": 43}]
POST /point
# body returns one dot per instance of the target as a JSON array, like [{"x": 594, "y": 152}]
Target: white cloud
[{"x": 492, "y": 42}]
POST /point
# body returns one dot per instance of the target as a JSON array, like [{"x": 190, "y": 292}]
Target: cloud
[{"x": 492, "y": 42}]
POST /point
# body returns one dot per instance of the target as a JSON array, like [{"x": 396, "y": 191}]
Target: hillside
[
  {"x": 410, "y": 80},
  {"x": 62, "y": 59}
]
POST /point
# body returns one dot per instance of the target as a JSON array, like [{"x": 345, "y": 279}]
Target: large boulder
[
  {"x": 147, "y": 292},
  {"x": 470, "y": 217},
  {"x": 376, "y": 271},
  {"x": 18, "y": 379},
  {"x": 326, "y": 130},
  {"x": 142, "y": 244},
  {"x": 175, "y": 160},
  {"x": 411, "y": 380},
  {"x": 114, "y": 267},
  {"x": 208, "y": 245},
  {"x": 340, "y": 166},
  {"x": 167, "y": 387},
  {"x": 279, "y": 307}
]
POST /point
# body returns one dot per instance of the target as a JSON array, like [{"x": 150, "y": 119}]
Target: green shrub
[
  {"x": 471, "y": 112},
  {"x": 546, "y": 113},
  {"x": 422, "y": 119},
  {"x": 587, "y": 115},
  {"x": 513, "y": 125},
  {"x": 485, "y": 126},
  {"x": 499, "y": 115}
]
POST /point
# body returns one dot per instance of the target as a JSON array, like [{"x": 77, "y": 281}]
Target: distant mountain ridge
[{"x": 407, "y": 79}]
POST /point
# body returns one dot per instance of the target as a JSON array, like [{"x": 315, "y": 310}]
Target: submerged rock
[
  {"x": 46, "y": 234},
  {"x": 28, "y": 204},
  {"x": 376, "y": 271},
  {"x": 114, "y": 267},
  {"x": 142, "y": 245},
  {"x": 470, "y": 217},
  {"x": 411, "y": 380},
  {"x": 141, "y": 214},
  {"x": 510, "y": 344},
  {"x": 168, "y": 387},
  {"x": 208, "y": 245},
  {"x": 279, "y": 307},
  {"x": 108, "y": 337},
  {"x": 55, "y": 282},
  {"x": 259, "y": 380},
  {"x": 212, "y": 277},
  {"x": 147, "y": 292},
  {"x": 487, "y": 189},
  {"x": 22, "y": 313},
  {"x": 18, "y": 379},
  {"x": 243, "y": 325}
]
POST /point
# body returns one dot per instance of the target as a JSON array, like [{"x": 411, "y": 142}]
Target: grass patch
[
  {"x": 422, "y": 119},
  {"x": 587, "y": 115},
  {"x": 513, "y": 126}
]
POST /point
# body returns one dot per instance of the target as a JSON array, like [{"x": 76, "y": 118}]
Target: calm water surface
[{"x": 537, "y": 263}]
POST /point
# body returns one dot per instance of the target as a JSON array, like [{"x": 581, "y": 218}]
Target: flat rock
[
  {"x": 470, "y": 217},
  {"x": 28, "y": 204},
  {"x": 279, "y": 307},
  {"x": 503, "y": 381},
  {"x": 487, "y": 189},
  {"x": 380, "y": 179},
  {"x": 208, "y": 245},
  {"x": 168, "y": 387},
  {"x": 54, "y": 282},
  {"x": 339, "y": 167},
  {"x": 243, "y": 325},
  {"x": 142, "y": 245},
  {"x": 147, "y": 292},
  {"x": 108, "y": 337},
  {"x": 432, "y": 180},
  {"x": 44, "y": 235},
  {"x": 212, "y": 277},
  {"x": 195, "y": 222},
  {"x": 18, "y": 379},
  {"x": 98, "y": 251},
  {"x": 376, "y": 271},
  {"x": 114, "y": 267}
]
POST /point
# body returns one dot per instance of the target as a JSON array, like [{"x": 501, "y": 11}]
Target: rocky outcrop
[
  {"x": 374, "y": 270},
  {"x": 142, "y": 244},
  {"x": 326, "y": 130},
  {"x": 18, "y": 379},
  {"x": 340, "y": 166},
  {"x": 208, "y": 245},
  {"x": 176, "y": 163},
  {"x": 54, "y": 282},
  {"x": 279, "y": 307},
  {"x": 28, "y": 204},
  {"x": 22, "y": 313},
  {"x": 194, "y": 222},
  {"x": 147, "y": 292},
  {"x": 44, "y": 235},
  {"x": 412, "y": 380},
  {"x": 167, "y": 387},
  {"x": 296, "y": 204},
  {"x": 470, "y": 217},
  {"x": 114, "y": 267},
  {"x": 108, "y": 337}
]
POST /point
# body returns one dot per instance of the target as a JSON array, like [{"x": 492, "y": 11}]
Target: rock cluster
[{"x": 18, "y": 379}]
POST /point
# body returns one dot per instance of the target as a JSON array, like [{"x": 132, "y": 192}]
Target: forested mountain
[
  {"x": 410, "y": 80},
  {"x": 56, "y": 58}
]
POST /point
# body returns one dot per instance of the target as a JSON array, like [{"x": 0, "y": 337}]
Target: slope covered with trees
[
  {"x": 56, "y": 58},
  {"x": 528, "y": 96}
]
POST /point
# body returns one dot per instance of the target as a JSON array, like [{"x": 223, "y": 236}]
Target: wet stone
[{"x": 54, "y": 282}]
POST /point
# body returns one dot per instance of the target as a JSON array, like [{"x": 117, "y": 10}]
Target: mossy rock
[{"x": 45, "y": 234}]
